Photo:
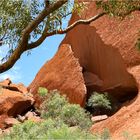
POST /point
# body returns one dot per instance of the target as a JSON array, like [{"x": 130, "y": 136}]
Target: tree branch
[
  {"x": 45, "y": 34},
  {"x": 23, "y": 44}
]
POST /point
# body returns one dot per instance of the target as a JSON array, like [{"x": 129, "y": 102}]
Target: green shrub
[
  {"x": 53, "y": 105},
  {"x": 57, "y": 107},
  {"x": 99, "y": 102},
  {"x": 42, "y": 91},
  {"x": 49, "y": 129},
  {"x": 59, "y": 116},
  {"x": 74, "y": 115}
]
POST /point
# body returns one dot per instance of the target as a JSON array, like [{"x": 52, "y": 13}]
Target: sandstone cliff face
[
  {"x": 106, "y": 51},
  {"x": 64, "y": 73},
  {"x": 106, "y": 48}
]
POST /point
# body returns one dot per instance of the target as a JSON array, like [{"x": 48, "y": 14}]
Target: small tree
[
  {"x": 100, "y": 103},
  {"x": 42, "y": 92}
]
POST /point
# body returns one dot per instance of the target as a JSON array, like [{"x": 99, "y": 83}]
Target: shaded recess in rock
[
  {"x": 16, "y": 109},
  {"x": 106, "y": 51}
]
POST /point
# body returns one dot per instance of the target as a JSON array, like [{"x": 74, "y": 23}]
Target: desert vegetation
[
  {"x": 60, "y": 120},
  {"x": 96, "y": 69}
]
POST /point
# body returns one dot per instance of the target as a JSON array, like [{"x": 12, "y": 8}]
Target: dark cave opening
[{"x": 126, "y": 95}]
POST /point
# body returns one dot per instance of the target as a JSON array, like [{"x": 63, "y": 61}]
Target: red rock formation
[
  {"x": 13, "y": 99},
  {"x": 13, "y": 103},
  {"x": 2, "y": 119},
  {"x": 127, "y": 118},
  {"x": 7, "y": 84},
  {"x": 106, "y": 51},
  {"x": 9, "y": 122},
  {"x": 64, "y": 73},
  {"x": 106, "y": 48}
]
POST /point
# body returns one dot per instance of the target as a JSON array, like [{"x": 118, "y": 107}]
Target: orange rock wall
[{"x": 106, "y": 48}]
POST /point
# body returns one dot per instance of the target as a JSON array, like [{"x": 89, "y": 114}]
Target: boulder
[
  {"x": 30, "y": 114},
  {"x": 63, "y": 73},
  {"x": 99, "y": 118},
  {"x": 2, "y": 119},
  {"x": 9, "y": 122},
  {"x": 13, "y": 102},
  {"x": 7, "y": 84}
]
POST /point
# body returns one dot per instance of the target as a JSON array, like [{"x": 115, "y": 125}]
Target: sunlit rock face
[
  {"x": 106, "y": 49},
  {"x": 103, "y": 57},
  {"x": 62, "y": 72},
  {"x": 14, "y": 99}
]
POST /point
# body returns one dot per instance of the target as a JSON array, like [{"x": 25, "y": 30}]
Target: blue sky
[{"x": 26, "y": 68}]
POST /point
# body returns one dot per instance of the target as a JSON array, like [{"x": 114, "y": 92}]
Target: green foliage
[
  {"x": 42, "y": 91},
  {"x": 53, "y": 105},
  {"x": 57, "y": 107},
  {"x": 105, "y": 135},
  {"x": 99, "y": 101},
  {"x": 117, "y": 7},
  {"x": 49, "y": 129},
  {"x": 74, "y": 115},
  {"x": 16, "y": 15},
  {"x": 58, "y": 116}
]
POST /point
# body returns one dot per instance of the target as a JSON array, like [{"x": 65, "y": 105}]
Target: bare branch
[
  {"x": 47, "y": 3},
  {"x": 46, "y": 34},
  {"x": 42, "y": 16},
  {"x": 88, "y": 21}
]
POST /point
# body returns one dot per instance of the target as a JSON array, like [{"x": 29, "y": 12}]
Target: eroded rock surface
[
  {"x": 110, "y": 60},
  {"x": 13, "y": 99},
  {"x": 63, "y": 73},
  {"x": 106, "y": 48},
  {"x": 13, "y": 103},
  {"x": 126, "y": 119},
  {"x": 7, "y": 84}
]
